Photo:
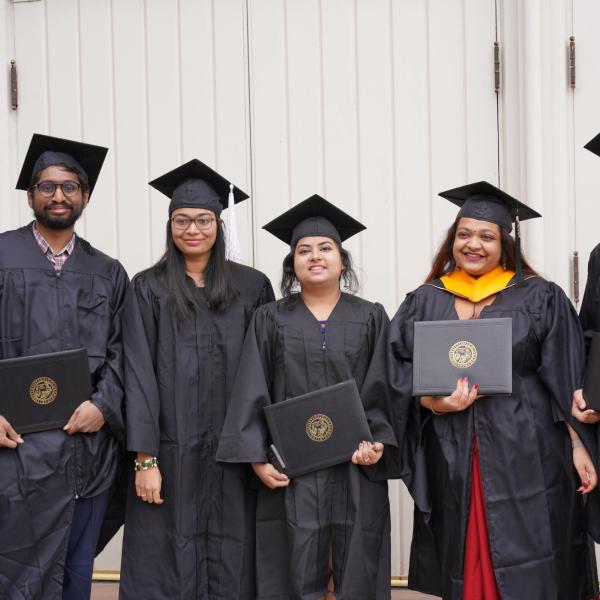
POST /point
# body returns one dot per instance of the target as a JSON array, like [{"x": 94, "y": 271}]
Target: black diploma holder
[
  {"x": 591, "y": 381},
  {"x": 446, "y": 351},
  {"x": 317, "y": 430},
  {"x": 40, "y": 392}
]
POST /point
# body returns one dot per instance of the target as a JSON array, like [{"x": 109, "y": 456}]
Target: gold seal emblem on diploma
[
  {"x": 319, "y": 427},
  {"x": 43, "y": 390},
  {"x": 463, "y": 354}
]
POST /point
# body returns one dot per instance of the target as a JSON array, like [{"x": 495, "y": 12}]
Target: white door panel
[
  {"x": 376, "y": 104},
  {"x": 587, "y": 124}
]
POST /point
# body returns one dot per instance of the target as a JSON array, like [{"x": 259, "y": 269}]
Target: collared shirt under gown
[
  {"x": 199, "y": 543},
  {"x": 536, "y": 518},
  {"x": 345, "y": 506},
  {"x": 46, "y": 311}
]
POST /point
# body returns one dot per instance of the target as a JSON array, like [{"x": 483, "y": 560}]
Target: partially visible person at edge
[
  {"x": 190, "y": 521},
  {"x": 57, "y": 293},
  {"x": 589, "y": 314},
  {"x": 325, "y": 534},
  {"x": 495, "y": 479}
]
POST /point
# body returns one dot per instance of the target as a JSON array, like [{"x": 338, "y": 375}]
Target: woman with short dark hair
[{"x": 189, "y": 522}]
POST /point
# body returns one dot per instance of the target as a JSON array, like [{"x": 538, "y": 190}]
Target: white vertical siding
[
  {"x": 376, "y": 104},
  {"x": 29, "y": 27},
  {"x": 232, "y": 125},
  {"x": 63, "y": 75},
  {"x": 97, "y": 118},
  {"x": 163, "y": 119},
  {"x": 536, "y": 114},
  {"x": 381, "y": 251},
  {"x": 158, "y": 82},
  {"x": 412, "y": 137},
  {"x": 586, "y": 16},
  {"x": 269, "y": 109},
  {"x": 131, "y": 134},
  {"x": 8, "y": 132},
  {"x": 544, "y": 124}
]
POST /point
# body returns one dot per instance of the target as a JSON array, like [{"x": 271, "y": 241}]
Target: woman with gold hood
[{"x": 495, "y": 478}]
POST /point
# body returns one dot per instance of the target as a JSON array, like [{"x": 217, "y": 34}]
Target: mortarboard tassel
[
  {"x": 518, "y": 271},
  {"x": 232, "y": 243}
]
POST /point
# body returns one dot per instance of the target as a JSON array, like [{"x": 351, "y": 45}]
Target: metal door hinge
[
  {"x": 572, "y": 65},
  {"x": 14, "y": 88},
  {"x": 576, "y": 277},
  {"x": 496, "y": 67}
]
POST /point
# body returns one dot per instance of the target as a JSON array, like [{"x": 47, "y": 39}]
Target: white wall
[
  {"x": 375, "y": 104},
  {"x": 544, "y": 123},
  {"x": 586, "y": 117}
]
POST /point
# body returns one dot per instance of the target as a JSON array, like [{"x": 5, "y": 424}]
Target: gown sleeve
[
  {"x": 562, "y": 352},
  {"x": 266, "y": 294},
  {"x": 410, "y": 418},
  {"x": 141, "y": 390},
  {"x": 589, "y": 314},
  {"x": 375, "y": 395},
  {"x": 244, "y": 437},
  {"x": 561, "y": 370},
  {"x": 108, "y": 394}
]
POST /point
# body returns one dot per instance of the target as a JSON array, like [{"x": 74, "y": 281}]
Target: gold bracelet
[
  {"x": 144, "y": 465},
  {"x": 437, "y": 414}
]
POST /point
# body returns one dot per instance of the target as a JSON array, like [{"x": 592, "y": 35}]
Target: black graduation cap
[
  {"x": 45, "y": 151},
  {"x": 594, "y": 145},
  {"x": 485, "y": 202},
  {"x": 196, "y": 185},
  {"x": 313, "y": 217}
]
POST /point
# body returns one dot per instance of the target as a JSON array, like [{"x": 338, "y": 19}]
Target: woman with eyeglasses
[{"x": 190, "y": 521}]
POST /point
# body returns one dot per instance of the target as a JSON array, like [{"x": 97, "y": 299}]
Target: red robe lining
[{"x": 479, "y": 579}]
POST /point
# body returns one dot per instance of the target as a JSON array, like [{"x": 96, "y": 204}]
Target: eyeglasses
[
  {"x": 48, "y": 188},
  {"x": 182, "y": 222}
]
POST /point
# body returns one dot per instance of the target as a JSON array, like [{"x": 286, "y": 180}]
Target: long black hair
[
  {"x": 218, "y": 282},
  {"x": 289, "y": 281}
]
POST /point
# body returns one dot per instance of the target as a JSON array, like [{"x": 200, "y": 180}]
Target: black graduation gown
[
  {"x": 199, "y": 543},
  {"x": 42, "y": 311},
  {"x": 345, "y": 506},
  {"x": 589, "y": 313},
  {"x": 535, "y": 517}
]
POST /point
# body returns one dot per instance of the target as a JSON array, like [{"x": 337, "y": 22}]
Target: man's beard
[{"x": 57, "y": 222}]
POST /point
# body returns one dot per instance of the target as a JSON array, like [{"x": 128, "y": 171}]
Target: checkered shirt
[{"x": 57, "y": 259}]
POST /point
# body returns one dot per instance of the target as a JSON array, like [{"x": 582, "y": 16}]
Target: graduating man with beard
[{"x": 58, "y": 293}]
